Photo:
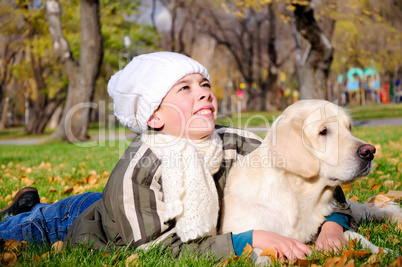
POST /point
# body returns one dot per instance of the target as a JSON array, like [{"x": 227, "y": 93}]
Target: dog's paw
[{"x": 365, "y": 243}]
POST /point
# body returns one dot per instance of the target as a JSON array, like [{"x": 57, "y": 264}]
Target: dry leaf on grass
[
  {"x": 335, "y": 261},
  {"x": 376, "y": 187},
  {"x": 57, "y": 246},
  {"x": 247, "y": 250},
  {"x": 132, "y": 260},
  {"x": 45, "y": 255},
  {"x": 388, "y": 183},
  {"x": 354, "y": 199},
  {"x": 397, "y": 262},
  {"x": 355, "y": 253},
  {"x": 14, "y": 246},
  {"x": 353, "y": 243},
  {"x": 350, "y": 263},
  {"x": 394, "y": 195},
  {"x": 235, "y": 258},
  {"x": 378, "y": 199},
  {"x": 272, "y": 253},
  {"x": 373, "y": 259},
  {"x": 68, "y": 189},
  {"x": 8, "y": 259},
  {"x": 225, "y": 263},
  {"x": 52, "y": 189},
  {"x": 347, "y": 188},
  {"x": 300, "y": 262},
  {"x": 26, "y": 181}
]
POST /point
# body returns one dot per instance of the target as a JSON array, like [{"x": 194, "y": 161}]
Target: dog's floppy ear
[{"x": 289, "y": 144}]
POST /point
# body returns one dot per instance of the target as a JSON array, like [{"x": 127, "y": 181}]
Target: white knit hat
[{"x": 138, "y": 89}]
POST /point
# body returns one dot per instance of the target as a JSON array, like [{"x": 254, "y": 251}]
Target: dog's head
[{"x": 314, "y": 138}]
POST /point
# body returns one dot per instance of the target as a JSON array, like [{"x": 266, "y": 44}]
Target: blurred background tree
[{"x": 260, "y": 50}]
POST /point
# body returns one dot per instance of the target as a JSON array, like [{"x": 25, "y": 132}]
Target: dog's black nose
[{"x": 366, "y": 152}]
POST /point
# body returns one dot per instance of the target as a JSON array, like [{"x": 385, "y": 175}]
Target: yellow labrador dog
[{"x": 286, "y": 185}]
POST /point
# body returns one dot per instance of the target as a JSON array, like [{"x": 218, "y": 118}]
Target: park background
[{"x": 263, "y": 55}]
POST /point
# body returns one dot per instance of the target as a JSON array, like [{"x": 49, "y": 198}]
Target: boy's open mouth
[{"x": 204, "y": 111}]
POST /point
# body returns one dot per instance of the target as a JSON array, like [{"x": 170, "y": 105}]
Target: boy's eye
[
  {"x": 206, "y": 85},
  {"x": 184, "y": 88}
]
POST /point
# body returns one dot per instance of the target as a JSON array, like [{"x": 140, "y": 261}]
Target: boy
[{"x": 168, "y": 185}]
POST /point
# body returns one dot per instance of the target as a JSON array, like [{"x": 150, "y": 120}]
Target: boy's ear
[{"x": 155, "y": 122}]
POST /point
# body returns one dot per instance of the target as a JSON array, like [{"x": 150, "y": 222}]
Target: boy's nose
[{"x": 205, "y": 94}]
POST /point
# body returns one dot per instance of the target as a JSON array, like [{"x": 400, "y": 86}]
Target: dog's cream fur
[{"x": 286, "y": 185}]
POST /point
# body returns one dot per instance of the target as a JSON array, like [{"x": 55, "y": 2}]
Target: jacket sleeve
[
  {"x": 87, "y": 229},
  {"x": 342, "y": 207},
  {"x": 220, "y": 246}
]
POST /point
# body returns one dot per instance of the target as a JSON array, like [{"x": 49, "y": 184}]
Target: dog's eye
[{"x": 324, "y": 132}]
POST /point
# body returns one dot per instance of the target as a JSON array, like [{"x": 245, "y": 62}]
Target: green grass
[
  {"x": 94, "y": 129},
  {"x": 41, "y": 164},
  {"x": 382, "y": 111}
]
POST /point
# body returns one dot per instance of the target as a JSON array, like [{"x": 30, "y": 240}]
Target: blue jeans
[{"x": 47, "y": 222}]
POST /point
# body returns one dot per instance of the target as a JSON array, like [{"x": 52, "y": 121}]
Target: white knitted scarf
[{"x": 189, "y": 189}]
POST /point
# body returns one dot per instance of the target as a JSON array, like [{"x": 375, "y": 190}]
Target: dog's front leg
[{"x": 365, "y": 243}]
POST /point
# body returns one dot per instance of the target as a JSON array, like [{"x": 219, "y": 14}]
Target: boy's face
[{"x": 188, "y": 110}]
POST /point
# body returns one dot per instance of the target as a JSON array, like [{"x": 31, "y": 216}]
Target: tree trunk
[
  {"x": 318, "y": 63},
  {"x": 43, "y": 107},
  {"x": 81, "y": 75},
  {"x": 4, "y": 111},
  {"x": 272, "y": 101}
]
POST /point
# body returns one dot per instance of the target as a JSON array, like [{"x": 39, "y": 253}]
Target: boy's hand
[
  {"x": 331, "y": 237},
  {"x": 289, "y": 247}
]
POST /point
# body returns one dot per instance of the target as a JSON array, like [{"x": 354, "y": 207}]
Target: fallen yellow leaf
[
  {"x": 247, "y": 249},
  {"x": 394, "y": 195},
  {"x": 335, "y": 261},
  {"x": 354, "y": 198},
  {"x": 373, "y": 259},
  {"x": 44, "y": 200},
  {"x": 132, "y": 260},
  {"x": 8, "y": 259},
  {"x": 355, "y": 253},
  {"x": 52, "y": 189},
  {"x": 397, "y": 262},
  {"x": 27, "y": 181},
  {"x": 388, "y": 183},
  {"x": 45, "y": 255},
  {"x": 350, "y": 263},
  {"x": 272, "y": 253},
  {"x": 224, "y": 263},
  {"x": 14, "y": 246},
  {"x": 376, "y": 187},
  {"x": 371, "y": 182},
  {"x": 91, "y": 179},
  {"x": 347, "y": 188},
  {"x": 68, "y": 189},
  {"x": 352, "y": 243},
  {"x": 57, "y": 246},
  {"x": 378, "y": 199}
]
